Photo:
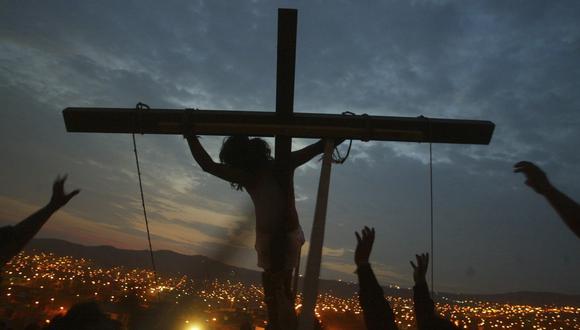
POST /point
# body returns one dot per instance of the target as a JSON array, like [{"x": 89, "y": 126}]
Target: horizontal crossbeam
[{"x": 256, "y": 123}]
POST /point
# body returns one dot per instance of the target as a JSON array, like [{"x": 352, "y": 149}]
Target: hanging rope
[
  {"x": 430, "y": 135},
  {"x": 337, "y": 157},
  {"x": 431, "y": 211},
  {"x": 139, "y": 108}
]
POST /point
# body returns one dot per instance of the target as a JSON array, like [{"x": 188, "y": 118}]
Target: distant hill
[
  {"x": 201, "y": 267},
  {"x": 167, "y": 262}
]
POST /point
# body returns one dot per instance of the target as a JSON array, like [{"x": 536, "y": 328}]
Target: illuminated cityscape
[{"x": 38, "y": 287}]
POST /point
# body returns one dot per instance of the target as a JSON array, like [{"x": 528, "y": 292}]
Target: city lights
[{"x": 41, "y": 286}]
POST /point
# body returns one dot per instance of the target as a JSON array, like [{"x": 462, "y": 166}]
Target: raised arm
[
  {"x": 423, "y": 304},
  {"x": 302, "y": 156},
  {"x": 24, "y": 231},
  {"x": 566, "y": 207},
  {"x": 376, "y": 309},
  {"x": 207, "y": 164},
  {"x": 425, "y": 314}
]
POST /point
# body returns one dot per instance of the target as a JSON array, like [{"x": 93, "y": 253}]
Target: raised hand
[
  {"x": 535, "y": 177},
  {"x": 59, "y": 197},
  {"x": 420, "y": 269},
  {"x": 364, "y": 245},
  {"x": 567, "y": 208}
]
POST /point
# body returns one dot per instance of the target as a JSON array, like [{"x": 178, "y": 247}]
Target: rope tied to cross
[{"x": 139, "y": 108}]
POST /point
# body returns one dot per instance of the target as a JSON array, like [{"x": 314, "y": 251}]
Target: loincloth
[{"x": 294, "y": 242}]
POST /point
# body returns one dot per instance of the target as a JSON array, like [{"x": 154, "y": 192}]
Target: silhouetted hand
[
  {"x": 420, "y": 269},
  {"x": 364, "y": 245},
  {"x": 535, "y": 177},
  {"x": 59, "y": 197}
]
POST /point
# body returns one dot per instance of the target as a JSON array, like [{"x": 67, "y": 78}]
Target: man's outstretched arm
[
  {"x": 304, "y": 155},
  {"x": 376, "y": 309},
  {"x": 565, "y": 206},
  {"x": 207, "y": 164},
  {"x": 24, "y": 231}
]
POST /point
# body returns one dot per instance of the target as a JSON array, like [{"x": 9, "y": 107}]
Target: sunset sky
[{"x": 516, "y": 63}]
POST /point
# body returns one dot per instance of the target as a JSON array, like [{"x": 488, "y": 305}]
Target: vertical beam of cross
[
  {"x": 286, "y": 62},
  {"x": 287, "y": 22},
  {"x": 285, "y": 70}
]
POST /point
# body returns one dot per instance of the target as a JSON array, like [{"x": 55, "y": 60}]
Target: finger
[
  {"x": 525, "y": 170},
  {"x": 358, "y": 239},
  {"x": 413, "y": 264},
  {"x": 367, "y": 230},
  {"x": 524, "y": 163},
  {"x": 528, "y": 169},
  {"x": 524, "y": 167},
  {"x": 73, "y": 193},
  {"x": 57, "y": 187},
  {"x": 59, "y": 181}
]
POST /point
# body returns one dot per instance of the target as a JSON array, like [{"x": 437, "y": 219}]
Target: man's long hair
[{"x": 249, "y": 155}]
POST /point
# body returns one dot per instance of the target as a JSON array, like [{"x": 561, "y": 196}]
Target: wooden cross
[{"x": 284, "y": 124}]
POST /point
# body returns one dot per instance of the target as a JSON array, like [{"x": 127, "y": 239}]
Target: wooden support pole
[{"x": 310, "y": 288}]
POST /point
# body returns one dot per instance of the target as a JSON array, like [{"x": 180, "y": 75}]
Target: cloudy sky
[{"x": 515, "y": 63}]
